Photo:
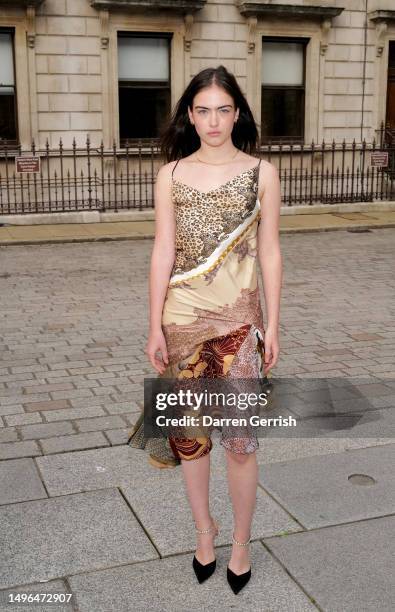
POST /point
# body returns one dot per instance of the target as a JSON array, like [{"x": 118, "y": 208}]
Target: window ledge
[
  {"x": 382, "y": 15},
  {"x": 178, "y": 6},
  {"x": 258, "y": 8},
  {"x": 21, "y": 3}
]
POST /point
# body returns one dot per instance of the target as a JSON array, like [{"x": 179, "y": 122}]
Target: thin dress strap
[
  {"x": 174, "y": 167},
  {"x": 258, "y": 166}
]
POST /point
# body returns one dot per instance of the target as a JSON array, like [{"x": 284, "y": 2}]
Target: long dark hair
[{"x": 179, "y": 137}]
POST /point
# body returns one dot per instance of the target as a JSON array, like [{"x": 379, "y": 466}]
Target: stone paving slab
[
  {"x": 118, "y": 437},
  {"x": 48, "y": 539},
  {"x": 277, "y": 449},
  {"x": 176, "y": 589},
  {"x": 20, "y": 481},
  {"x": 345, "y": 567},
  {"x": 316, "y": 490},
  {"x": 332, "y": 399},
  {"x": 13, "y": 450},
  {"x": 53, "y": 587},
  {"x": 169, "y": 499},
  {"x": 67, "y": 473},
  {"x": 372, "y": 423},
  {"x": 80, "y": 441},
  {"x": 8, "y": 434}
]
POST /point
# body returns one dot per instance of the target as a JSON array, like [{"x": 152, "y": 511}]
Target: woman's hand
[
  {"x": 157, "y": 343},
  {"x": 272, "y": 348}
]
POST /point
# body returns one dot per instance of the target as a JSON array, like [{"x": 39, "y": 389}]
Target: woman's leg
[
  {"x": 242, "y": 470},
  {"x": 196, "y": 474}
]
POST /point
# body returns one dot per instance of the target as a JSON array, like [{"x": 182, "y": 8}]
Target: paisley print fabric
[{"x": 212, "y": 315}]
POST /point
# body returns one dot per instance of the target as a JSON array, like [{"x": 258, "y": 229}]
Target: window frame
[
  {"x": 25, "y": 80},
  {"x": 304, "y": 41},
  {"x": 180, "y": 65},
  {"x": 315, "y": 69},
  {"x": 11, "y": 30},
  {"x": 144, "y": 85}
]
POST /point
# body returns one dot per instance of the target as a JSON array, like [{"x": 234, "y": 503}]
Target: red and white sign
[
  {"x": 27, "y": 163},
  {"x": 379, "y": 158}
]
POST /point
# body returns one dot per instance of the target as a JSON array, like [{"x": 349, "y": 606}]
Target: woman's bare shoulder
[
  {"x": 268, "y": 176},
  {"x": 268, "y": 172},
  {"x": 268, "y": 165},
  {"x": 164, "y": 173},
  {"x": 166, "y": 169},
  {"x": 256, "y": 158}
]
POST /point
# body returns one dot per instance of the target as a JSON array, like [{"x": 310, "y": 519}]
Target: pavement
[
  {"x": 126, "y": 230},
  {"x": 85, "y": 517}
]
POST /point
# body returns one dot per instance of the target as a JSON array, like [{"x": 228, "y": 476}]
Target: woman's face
[{"x": 213, "y": 115}]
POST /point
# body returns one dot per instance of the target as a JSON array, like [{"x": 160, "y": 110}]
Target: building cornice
[
  {"x": 261, "y": 8},
  {"x": 176, "y": 6},
  {"x": 21, "y": 3},
  {"x": 382, "y": 15}
]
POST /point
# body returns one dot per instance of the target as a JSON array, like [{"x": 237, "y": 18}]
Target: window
[
  {"x": 8, "y": 120},
  {"x": 144, "y": 84},
  {"x": 283, "y": 90}
]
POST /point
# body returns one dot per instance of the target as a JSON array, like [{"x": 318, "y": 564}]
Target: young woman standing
[{"x": 217, "y": 211}]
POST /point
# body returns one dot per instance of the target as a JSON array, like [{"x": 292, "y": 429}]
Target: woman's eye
[{"x": 223, "y": 110}]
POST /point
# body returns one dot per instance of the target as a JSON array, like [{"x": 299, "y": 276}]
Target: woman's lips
[{"x": 213, "y": 133}]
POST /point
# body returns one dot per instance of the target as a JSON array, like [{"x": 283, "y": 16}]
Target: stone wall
[
  {"x": 69, "y": 71},
  {"x": 75, "y": 88}
]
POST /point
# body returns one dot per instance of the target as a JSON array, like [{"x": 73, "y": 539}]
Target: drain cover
[
  {"x": 361, "y": 479},
  {"x": 358, "y": 230}
]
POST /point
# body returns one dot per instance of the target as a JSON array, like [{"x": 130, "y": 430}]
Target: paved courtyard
[{"x": 82, "y": 513}]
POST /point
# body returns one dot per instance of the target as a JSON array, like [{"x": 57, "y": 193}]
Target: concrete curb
[{"x": 295, "y": 230}]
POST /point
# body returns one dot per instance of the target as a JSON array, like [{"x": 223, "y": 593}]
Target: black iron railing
[{"x": 95, "y": 178}]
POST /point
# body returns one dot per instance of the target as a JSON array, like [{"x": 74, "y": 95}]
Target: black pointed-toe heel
[
  {"x": 238, "y": 581},
  {"x": 205, "y": 571}
]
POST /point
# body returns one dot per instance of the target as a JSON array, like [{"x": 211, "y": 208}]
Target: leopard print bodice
[{"x": 205, "y": 219}]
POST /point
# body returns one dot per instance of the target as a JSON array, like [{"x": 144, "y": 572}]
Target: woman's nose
[{"x": 213, "y": 119}]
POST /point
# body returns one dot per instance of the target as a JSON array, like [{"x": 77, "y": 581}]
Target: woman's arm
[
  {"x": 162, "y": 260},
  {"x": 270, "y": 258}
]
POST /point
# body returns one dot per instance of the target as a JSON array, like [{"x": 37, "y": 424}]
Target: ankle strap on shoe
[{"x": 241, "y": 543}]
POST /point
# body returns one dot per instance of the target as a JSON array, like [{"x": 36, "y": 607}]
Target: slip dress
[{"x": 212, "y": 316}]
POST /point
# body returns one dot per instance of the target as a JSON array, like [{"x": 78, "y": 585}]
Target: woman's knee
[
  {"x": 239, "y": 449},
  {"x": 239, "y": 457}
]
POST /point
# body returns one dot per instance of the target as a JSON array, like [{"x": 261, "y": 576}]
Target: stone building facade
[{"x": 110, "y": 68}]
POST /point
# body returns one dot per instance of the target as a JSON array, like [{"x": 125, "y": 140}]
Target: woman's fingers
[
  {"x": 158, "y": 362},
  {"x": 271, "y": 356},
  {"x": 163, "y": 350}
]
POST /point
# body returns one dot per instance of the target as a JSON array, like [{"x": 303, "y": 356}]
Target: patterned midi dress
[{"x": 212, "y": 316}]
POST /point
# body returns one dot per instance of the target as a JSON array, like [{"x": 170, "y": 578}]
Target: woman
[{"x": 217, "y": 209}]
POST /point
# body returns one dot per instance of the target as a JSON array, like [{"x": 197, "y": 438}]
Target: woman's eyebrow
[{"x": 207, "y": 108}]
